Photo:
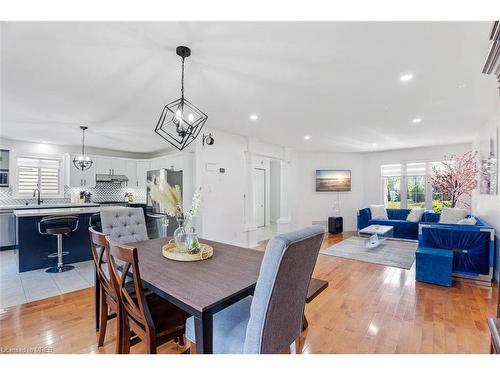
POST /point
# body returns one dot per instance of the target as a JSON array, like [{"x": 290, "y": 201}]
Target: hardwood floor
[{"x": 367, "y": 308}]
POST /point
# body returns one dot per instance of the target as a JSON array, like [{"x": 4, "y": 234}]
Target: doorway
[{"x": 259, "y": 196}]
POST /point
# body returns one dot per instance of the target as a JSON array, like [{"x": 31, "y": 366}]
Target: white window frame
[
  {"x": 404, "y": 181},
  {"x": 61, "y": 178}
]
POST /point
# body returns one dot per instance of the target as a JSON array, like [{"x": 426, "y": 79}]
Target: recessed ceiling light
[
  {"x": 44, "y": 141},
  {"x": 307, "y": 137},
  {"x": 406, "y": 77},
  {"x": 374, "y": 145},
  {"x": 416, "y": 120},
  {"x": 254, "y": 117}
]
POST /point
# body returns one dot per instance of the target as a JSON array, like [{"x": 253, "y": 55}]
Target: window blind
[
  {"x": 38, "y": 172},
  {"x": 389, "y": 170},
  {"x": 416, "y": 169}
]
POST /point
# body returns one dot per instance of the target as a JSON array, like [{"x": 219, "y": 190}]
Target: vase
[
  {"x": 193, "y": 244},
  {"x": 180, "y": 237}
]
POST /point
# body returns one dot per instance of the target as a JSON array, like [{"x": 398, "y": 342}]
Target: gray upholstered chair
[
  {"x": 271, "y": 320},
  {"x": 124, "y": 224}
]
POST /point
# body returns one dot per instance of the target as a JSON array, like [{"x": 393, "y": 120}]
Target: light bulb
[{"x": 190, "y": 118}]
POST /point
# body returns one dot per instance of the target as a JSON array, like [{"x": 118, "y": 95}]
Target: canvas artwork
[
  {"x": 333, "y": 180},
  {"x": 488, "y": 182}
]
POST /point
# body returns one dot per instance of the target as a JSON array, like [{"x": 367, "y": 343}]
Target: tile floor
[{"x": 17, "y": 288}]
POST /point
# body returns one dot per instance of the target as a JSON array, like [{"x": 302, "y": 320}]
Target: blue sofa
[
  {"x": 397, "y": 218},
  {"x": 473, "y": 247}
]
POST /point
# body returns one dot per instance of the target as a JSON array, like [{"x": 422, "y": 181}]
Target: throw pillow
[
  {"x": 452, "y": 215},
  {"x": 415, "y": 215},
  {"x": 468, "y": 221},
  {"x": 378, "y": 212}
]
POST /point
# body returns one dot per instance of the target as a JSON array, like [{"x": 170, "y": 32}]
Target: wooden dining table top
[{"x": 201, "y": 284}]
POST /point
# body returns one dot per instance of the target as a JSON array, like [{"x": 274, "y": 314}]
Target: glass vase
[{"x": 180, "y": 237}]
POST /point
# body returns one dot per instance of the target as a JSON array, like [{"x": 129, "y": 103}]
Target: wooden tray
[{"x": 170, "y": 251}]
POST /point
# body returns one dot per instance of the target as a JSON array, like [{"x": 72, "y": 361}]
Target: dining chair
[
  {"x": 153, "y": 319},
  {"x": 124, "y": 224},
  {"x": 109, "y": 303},
  {"x": 271, "y": 321}
]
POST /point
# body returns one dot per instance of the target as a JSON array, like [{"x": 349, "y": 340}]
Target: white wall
[
  {"x": 222, "y": 211},
  {"x": 487, "y": 207},
  {"x": 372, "y": 161},
  {"x": 318, "y": 206}
]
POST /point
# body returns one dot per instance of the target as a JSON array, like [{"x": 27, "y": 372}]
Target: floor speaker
[{"x": 335, "y": 225}]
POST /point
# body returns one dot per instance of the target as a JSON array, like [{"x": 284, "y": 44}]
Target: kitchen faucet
[{"x": 36, "y": 192}]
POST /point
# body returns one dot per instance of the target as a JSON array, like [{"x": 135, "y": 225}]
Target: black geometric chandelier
[
  {"x": 82, "y": 161},
  {"x": 181, "y": 121}
]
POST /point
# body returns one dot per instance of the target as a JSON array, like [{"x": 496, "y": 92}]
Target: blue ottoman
[{"x": 434, "y": 266}]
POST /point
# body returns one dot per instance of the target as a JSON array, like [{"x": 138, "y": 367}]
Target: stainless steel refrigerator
[{"x": 157, "y": 221}]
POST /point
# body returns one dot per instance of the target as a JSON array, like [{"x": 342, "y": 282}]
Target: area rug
[{"x": 392, "y": 253}]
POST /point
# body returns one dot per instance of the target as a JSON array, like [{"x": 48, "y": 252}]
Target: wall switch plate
[{"x": 211, "y": 167}]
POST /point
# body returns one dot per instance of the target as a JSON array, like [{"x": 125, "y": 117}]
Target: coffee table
[{"x": 377, "y": 233}]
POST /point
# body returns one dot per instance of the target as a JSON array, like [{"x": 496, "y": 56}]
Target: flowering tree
[{"x": 456, "y": 178}]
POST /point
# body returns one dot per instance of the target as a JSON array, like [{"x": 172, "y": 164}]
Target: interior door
[{"x": 259, "y": 196}]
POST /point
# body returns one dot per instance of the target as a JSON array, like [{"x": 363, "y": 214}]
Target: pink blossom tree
[{"x": 456, "y": 178}]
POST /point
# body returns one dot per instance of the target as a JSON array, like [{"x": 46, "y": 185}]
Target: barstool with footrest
[{"x": 57, "y": 226}]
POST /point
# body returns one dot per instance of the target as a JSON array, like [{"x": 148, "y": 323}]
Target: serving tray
[{"x": 170, "y": 251}]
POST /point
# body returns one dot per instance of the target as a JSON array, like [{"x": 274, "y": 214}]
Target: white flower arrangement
[{"x": 170, "y": 199}]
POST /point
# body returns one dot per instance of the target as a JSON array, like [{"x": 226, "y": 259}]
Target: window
[
  {"x": 407, "y": 185},
  {"x": 415, "y": 185},
  {"x": 391, "y": 178},
  {"x": 44, "y": 173}
]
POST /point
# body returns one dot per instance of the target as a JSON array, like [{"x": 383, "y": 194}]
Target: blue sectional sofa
[
  {"x": 472, "y": 245},
  {"x": 397, "y": 218}
]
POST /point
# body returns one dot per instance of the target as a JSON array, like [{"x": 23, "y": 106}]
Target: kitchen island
[{"x": 34, "y": 248}]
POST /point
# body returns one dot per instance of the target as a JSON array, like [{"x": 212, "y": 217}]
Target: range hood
[{"x": 115, "y": 178}]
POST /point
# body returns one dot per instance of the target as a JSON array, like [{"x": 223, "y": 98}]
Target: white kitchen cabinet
[
  {"x": 75, "y": 175},
  {"x": 165, "y": 162},
  {"x": 102, "y": 165},
  {"x": 131, "y": 173},
  {"x": 89, "y": 176},
  {"x": 142, "y": 170},
  {"x": 78, "y": 178},
  {"x": 118, "y": 166}
]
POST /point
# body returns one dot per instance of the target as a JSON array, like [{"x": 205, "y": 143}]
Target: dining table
[{"x": 204, "y": 287}]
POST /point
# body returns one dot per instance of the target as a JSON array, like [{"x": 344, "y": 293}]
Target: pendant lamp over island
[
  {"x": 82, "y": 161},
  {"x": 181, "y": 121}
]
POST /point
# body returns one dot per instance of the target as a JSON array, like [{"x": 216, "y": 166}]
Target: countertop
[
  {"x": 45, "y": 206},
  {"x": 60, "y": 211}
]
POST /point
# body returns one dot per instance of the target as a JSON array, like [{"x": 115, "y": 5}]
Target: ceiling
[{"x": 337, "y": 82}]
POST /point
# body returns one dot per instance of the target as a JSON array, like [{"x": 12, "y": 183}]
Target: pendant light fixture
[
  {"x": 181, "y": 121},
  {"x": 82, "y": 161}
]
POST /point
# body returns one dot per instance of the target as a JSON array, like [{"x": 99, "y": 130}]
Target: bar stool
[
  {"x": 95, "y": 222},
  {"x": 57, "y": 226}
]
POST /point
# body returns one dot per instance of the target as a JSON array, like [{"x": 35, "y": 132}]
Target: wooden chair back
[
  {"x": 123, "y": 262},
  {"x": 100, "y": 252}
]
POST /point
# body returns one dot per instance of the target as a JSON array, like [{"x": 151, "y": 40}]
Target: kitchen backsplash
[{"x": 103, "y": 192}]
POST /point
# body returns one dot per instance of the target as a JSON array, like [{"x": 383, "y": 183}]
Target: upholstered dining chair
[
  {"x": 270, "y": 321},
  {"x": 124, "y": 224},
  {"x": 153, "y": 319}
]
